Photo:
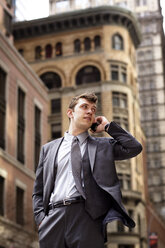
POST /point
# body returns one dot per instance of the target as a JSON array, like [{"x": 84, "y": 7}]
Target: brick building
[{"x": 23, "y": 129}]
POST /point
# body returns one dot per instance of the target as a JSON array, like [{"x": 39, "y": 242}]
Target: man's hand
[{"x": 101, "y": 127}]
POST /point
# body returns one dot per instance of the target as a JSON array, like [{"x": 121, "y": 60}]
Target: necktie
[{"x": 77, "y": 165}]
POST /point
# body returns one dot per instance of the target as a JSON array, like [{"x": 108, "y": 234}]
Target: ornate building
[
  {"x": 23, "y": 128},
  {"x": 93, "y": 50},
  {"x": 151, "y": 79}
]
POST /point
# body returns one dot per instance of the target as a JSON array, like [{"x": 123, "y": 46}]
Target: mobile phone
[{"x": 94, "y": 126}]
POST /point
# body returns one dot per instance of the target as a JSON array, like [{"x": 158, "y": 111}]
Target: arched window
[
  {"x": 87, "y": 44},
  {"x": 51, "y": 79},
  {"x": 38, "y": 52},
  {"x": 48, "y": 51},
  {"x": 97, "y": 41},
  {"x": 88, "y": 74},
  {"x": 117, "y": 42},
  {"x": 21, "y": 51},
  {"x": 58, "y": 49},
  {"x": 77, "y": 46}
]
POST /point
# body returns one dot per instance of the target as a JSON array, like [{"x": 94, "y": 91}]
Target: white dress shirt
[{"x": 64, "y": 186}]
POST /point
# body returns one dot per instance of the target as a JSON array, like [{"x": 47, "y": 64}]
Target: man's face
[{"x": 83, "y": 114}]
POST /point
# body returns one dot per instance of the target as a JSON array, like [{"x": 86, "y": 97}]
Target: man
[{"x": 76, "y": 191}]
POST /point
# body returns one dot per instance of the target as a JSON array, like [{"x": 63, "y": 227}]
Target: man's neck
[{"x": 75, "y": 131}]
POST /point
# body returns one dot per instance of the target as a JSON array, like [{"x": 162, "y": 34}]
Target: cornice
[{"x": 73, "y": 20}]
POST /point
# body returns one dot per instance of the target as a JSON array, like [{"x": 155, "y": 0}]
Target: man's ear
[{"x": 70, "y": 113}]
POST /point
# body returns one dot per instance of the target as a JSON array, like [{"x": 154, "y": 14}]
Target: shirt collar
[{"x": 81, "y": 137}]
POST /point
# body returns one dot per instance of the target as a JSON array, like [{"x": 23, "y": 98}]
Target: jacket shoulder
[{"x": 51, "y": 143}]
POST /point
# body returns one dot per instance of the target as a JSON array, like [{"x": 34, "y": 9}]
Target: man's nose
[{"x": 90, "y": 111}]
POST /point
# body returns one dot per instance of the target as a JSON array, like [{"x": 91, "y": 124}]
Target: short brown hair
[{"x": 91, "y": 97}]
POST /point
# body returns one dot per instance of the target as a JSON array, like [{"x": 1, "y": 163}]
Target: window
[
  {"x": 56, "y": 106},
  {"x": 48, "y": 51},
  {"x": 9, "y": 3},
  {"x": 148, "y": 55},
  {"x": 123, "y": 75},
  {"x": 19, "y": 206},
  {"x": 51, "y": 79},
  {"x": 119, "y": 99},
  {"x": 115, "y": 72},
  {"x": 7, "y": 22},
  {"x": 2, "y": 188},
  {"x": 157, "y": 197},
  {"x": 120, "y": 226},
  {"x": 21, "y": 51},
  {"x": 119, "y": 73},
  {"x": 117, "y": 42},
  {"x": 125, "y": 181},
  {"x": 2, "y": 107},
  {"x": 122, "y": 121},
  {"x": 58, "y": 49},
  {"x": 137, "y": 2},
  {"x": 37, "y": 144},
  {"x": 21, "y": 126},
  {"x": 77, "y": 46},
  {"x": 97, "y": 42},
  {"x": 88, "y": 74},
  {"x": 99, "y": 104},
  {"x": 87, "y": 44},
  {"x": 38, "y": 52},
  {"x": 56, "y": 130}
]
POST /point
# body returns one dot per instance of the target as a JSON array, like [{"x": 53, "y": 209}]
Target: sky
[{"x": 42, "y": 7}]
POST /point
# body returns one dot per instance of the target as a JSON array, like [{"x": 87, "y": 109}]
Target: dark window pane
[
  {"x": 115, "y": 75},
  {"x": 21, "y": 126},
  {"x": 48, "y": 51},
  {"x": 38, "y": 52},
  {"x": 21, "y": 51},
  {"x": 2, "y": 107},
  {"x": 56, "y": 131},
  {"x": 87, "y": 44},
  {"x": 51, "y": 79},
  {"x": 2, "y": 188},
  {"x": 97, "y": 42},
  {"x": 58, "y": 49},
  {"x": 7, "y": 22},
  {"x": 55, "y": 106},
  {"x": 19, "y": 206},
  {"x": 77, "y": 46},
  {"x": 37, "y": 144},
  {"x": 88, "y": 74},
  {"x": 120, "y": 226},
  {"x": 123, "y": 77}
]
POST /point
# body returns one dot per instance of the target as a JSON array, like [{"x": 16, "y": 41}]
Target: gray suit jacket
[{"x": 102, "y": 154}]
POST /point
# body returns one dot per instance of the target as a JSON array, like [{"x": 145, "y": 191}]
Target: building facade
[
  {"x": 93, "y": 50},
  {"x": 151, "y": 79},
  {"x": 23, "y": 129}
]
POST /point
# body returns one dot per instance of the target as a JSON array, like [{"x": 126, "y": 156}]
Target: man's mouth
[{"x": 88, "y": 118}]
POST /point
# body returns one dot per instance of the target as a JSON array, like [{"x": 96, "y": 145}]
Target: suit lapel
[
  {"x": 92, "y": 146},
  {"x": 53, "y": 153}
]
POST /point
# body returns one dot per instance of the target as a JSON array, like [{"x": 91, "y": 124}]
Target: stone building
[
  {"x": 23, "y": 128},
  {"x": 93, "y": 50},
  {"x": 151, "y": 79}
]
